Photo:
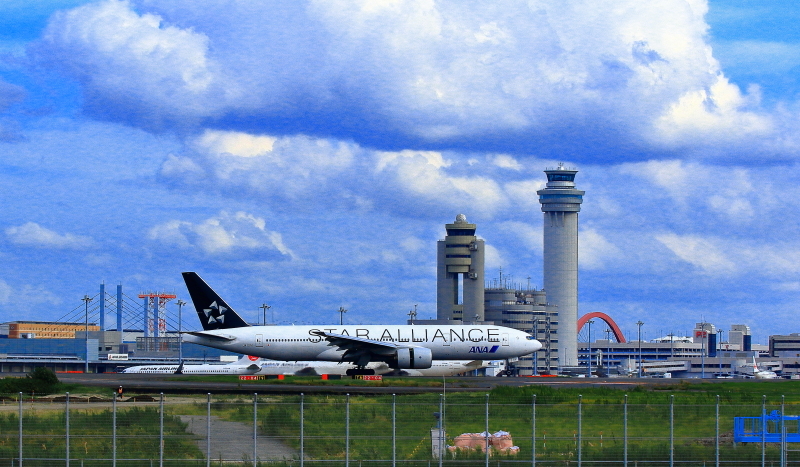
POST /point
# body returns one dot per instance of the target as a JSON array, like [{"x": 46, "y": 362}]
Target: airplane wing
[
  {"x": 210, "y": 336},
  {"x": 359, "y": 350}
]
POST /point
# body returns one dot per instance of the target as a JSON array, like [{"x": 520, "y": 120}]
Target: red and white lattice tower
[{"x": 155, "y": 324}]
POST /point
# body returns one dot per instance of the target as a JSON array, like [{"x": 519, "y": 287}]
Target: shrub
[{"x": 40, "y": 381}]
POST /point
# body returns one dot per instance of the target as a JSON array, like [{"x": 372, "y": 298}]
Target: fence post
[
  {"x": 533, "y": 432},
  {"x": 302, "y": 428},
  {"x": 394, "y": 430},
  {"x": 487, "y": 431},
  {"x": 255, "y": 428},
  {"x": 625, "y": 432},
  {"x": 716, "y": 439},
  {"x": 440, "y": 429},
  {"x": 67, "y": 430},
  {"x": 161, "y": 430},
  {"x": 671, "y": 430},
  {"x": 347, "y": 432},
  {"x": 20, "y": 429},
  {"x": 208, "y": 430},
  {"x": 114, "y": 431},
  {"x": 763, "y": 430},
  {"x": 580, "y": 431},
  {"x": 783, "y": 431}
]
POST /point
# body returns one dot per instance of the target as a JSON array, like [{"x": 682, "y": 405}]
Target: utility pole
[
  {"x": 266, "y": 307},
  {"x": 180, "y": 328},
  {"x": 640, "y": 323},
  {"x": 342, "y": 311},
  {"x": 86, "y": 299}
]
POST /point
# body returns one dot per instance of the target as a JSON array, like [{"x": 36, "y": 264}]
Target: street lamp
[
  {"x": 342, "y": 311},
  {"x": 266, "y": 307},
  {"x": 640, "y": 323},
  {"x": 180, "y": 328},
  {"x": 589, "y": 360},
  {"x": 86, "y": 299}
]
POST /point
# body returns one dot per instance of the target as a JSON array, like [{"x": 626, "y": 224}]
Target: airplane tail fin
[
  {"x": 212, "y": 310},
  {"x": 179, "y": 370}
]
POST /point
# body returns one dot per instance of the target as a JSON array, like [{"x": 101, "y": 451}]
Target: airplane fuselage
[
  {"x": 201, "y": 369},
  {"x": 446, "y": 342}
]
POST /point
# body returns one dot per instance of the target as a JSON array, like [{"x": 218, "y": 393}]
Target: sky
[{"x": 307, "y": 154}]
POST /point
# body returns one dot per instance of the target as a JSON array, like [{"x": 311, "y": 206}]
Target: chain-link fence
[{"x": 462, "y": 429}]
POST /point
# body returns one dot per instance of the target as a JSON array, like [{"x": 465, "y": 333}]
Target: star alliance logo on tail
[{"x": 220, "y": 313}]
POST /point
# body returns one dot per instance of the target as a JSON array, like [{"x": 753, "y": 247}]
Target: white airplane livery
[
  {"x": 762, "y": 374},
  {"x": 401, "y": 347},
  {"x": 245, "y": 366}
]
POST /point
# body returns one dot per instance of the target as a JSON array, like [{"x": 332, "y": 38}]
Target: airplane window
[{"x": 530, "y": 338}]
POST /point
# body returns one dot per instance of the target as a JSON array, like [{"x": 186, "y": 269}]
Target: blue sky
[{"x": 307, "y": 154}]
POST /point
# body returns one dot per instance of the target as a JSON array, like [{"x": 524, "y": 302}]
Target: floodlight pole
[
  {"x": 266, "y": 307},
  {"x": 640, "y": 323},
  {"x": 180, "y": 328},
  {"x": 86, "y": 299},
  {"x": 342, "y": 311}
]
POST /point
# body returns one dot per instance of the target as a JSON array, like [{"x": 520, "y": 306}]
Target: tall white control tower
[{"x": 561, "y": 203}]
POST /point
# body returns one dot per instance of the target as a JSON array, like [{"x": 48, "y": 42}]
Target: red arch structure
[{"x": 596, "y": 314}]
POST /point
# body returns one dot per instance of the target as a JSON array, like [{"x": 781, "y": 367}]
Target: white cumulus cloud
[
  {"x": 703, "y": 253},
  {"x": 515, "y": 75},
  {"x": 221, "y": 234},
  {"x": 34, "y": 235}
]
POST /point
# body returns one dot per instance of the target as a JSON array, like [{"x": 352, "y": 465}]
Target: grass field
[{"x": 598, "y": 422}]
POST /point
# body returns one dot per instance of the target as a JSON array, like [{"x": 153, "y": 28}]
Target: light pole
[
  {"x": 640, "y": 323},
  {"x": 264, "y": 307},
  {"x": 703, "y": 337},
  {"x": 589, "y": 360},
  {"x": 86, "y": 299},
  {"x": 342, "y": 311},
  {"x": 412, "y": 314},
  {"x": 180, "y": 328}
]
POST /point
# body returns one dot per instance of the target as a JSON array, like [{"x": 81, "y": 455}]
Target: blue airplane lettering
[{"x": 477, "y": 349}]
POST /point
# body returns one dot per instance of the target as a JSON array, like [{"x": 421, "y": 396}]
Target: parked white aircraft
[
  {"x": 245, "y": 366},
  {"x": 438, "y": 368},
  {"x": 402, "y": 347},
  {"x": 762, "y": 374}
]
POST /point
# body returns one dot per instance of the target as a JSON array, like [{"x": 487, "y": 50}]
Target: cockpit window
[{"x": 530, "y": 338}]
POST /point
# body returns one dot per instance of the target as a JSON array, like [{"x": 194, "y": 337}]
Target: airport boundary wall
[{"x": 343, "y": 430}]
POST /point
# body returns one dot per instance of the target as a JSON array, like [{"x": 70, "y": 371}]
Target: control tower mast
[{"x": 561, "y": 203}]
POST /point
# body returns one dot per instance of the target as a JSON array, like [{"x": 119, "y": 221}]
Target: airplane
[
  {"x": 245, "y": 366},
  {"x": 762, "y": 374},
  {"x": 402, "y": 347},
  {"x": 438, "y": 368}
]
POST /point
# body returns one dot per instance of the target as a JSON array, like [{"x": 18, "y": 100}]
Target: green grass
[{"x": 90, "y": 435}]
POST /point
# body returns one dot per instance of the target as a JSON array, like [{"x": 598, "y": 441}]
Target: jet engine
[{"x": 414, "y": 357}]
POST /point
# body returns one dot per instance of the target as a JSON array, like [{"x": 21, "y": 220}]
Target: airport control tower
[
  {"x": 459, "y": 273},
  {"x": 561, "y": 203}
]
